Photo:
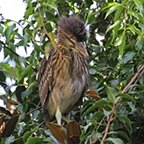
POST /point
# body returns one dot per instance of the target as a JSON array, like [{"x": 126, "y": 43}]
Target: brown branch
[
  {"x": 108, "y": 124},
  {"x": 141, "y": 73},
  {"x": 133, "y": 80},
  {"x": 37, "y": 108}
]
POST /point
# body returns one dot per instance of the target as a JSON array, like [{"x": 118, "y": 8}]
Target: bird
[{"x": 63, "y": 74}]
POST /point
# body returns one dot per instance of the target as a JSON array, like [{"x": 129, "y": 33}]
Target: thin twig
[
  {"x": 142, "y": 72},
  {"x": 9, "y": 49},
  {"x": 35, "y": 109},
  {"x": 134, "y": 79}
]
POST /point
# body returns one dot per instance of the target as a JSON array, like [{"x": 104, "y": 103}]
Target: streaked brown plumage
[{"x": 63, "y": 76}]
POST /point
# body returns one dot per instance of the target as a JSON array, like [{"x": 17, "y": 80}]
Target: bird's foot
[{"x": 58, "y": 116}]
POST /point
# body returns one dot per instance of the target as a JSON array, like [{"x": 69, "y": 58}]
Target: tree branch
[
  {"x": 134, "y": 79},
  {"x": 9, "y": 49}
]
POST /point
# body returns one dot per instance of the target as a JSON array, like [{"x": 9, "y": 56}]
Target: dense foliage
[{"x": 116, "y": 49}]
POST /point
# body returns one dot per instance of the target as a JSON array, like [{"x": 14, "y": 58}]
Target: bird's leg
[{"x": 58, "y": 116}]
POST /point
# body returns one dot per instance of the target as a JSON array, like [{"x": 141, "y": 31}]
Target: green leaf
[
  {"x": 115, "y": 30},
  {"x": 52, "y": 39},
  {"x": 26, "y": 93},
  {"x": 126, "y": 121},
  {"x": 116, "y": 23},
  {"x": 90, "y": 107},
  {"x": 90, "y": 17},
  {"x": 111, "y": 92},
  {"x": 138, "y": 16},
  {"x": 9, "y": 30},
  {"x": 25, "y": 40},
  {"x": 140, "y": 42},
  {"x": 124, "y": 135},
  {"x": 47, "y": 49},
  {"x": 29, "y": 12},
  {"x": 2, "y": 76},
  {"x": 127, "y": 57},
  {"x": 107, "y": 113},
  {"x": 35, "y": 140},
  {"x": 115, "y": 140},
  {"x": 27, "y": 135},
  {"x": 121, "y": 43},
  {"x": 25, "y": 72},
  {"x": 118, "y": 14},
  {"x": 109, "y": 5},
  {"x": 33, "y": 84},
  {"x": 133, "y": 29},
  {"x": 138, "y": 4},
  {"x": 9, "y": 70},
  {"x": 102, "y": 103},
  {"x": 51, "y": 4},
  {"x": 112, "y": 9}
]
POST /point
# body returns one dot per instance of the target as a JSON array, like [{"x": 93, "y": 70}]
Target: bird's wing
[{"x": 45, "y": 78}]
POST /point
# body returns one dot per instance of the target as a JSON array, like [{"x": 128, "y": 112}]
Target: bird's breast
[
  {"x": 67, "y": 93},
  {"x": 67, "y": 89}
]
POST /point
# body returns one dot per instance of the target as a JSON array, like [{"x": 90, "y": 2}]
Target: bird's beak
[{"x": 80, "y": 48}]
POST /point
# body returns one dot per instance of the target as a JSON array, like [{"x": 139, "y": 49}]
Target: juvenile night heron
[{"x": 63, "y": 76}]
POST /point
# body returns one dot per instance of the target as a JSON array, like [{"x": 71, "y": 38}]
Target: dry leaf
[
  {"x": 11, "y": 106},
  {"x": 5, "y": 111},
  {"x": 92, "y": 93},
  {"x": 58, "y": 132},
  {"x": 10, "y": 126},
  {"x": 73, "y": 132},
  {"x": 2, "y": 125}
]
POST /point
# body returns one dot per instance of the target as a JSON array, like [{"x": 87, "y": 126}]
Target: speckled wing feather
[{"x": 45, "y": 78}]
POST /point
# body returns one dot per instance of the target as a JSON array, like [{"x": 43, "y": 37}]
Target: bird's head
[
  {"x": 73, "y": 26},
  {"x": 72, "y": 33}
]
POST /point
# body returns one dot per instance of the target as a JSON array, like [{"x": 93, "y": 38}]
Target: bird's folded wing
[{"x": 45, "y": 78}]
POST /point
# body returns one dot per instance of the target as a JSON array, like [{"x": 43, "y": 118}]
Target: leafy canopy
[{"x": 116, "y": 48}]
